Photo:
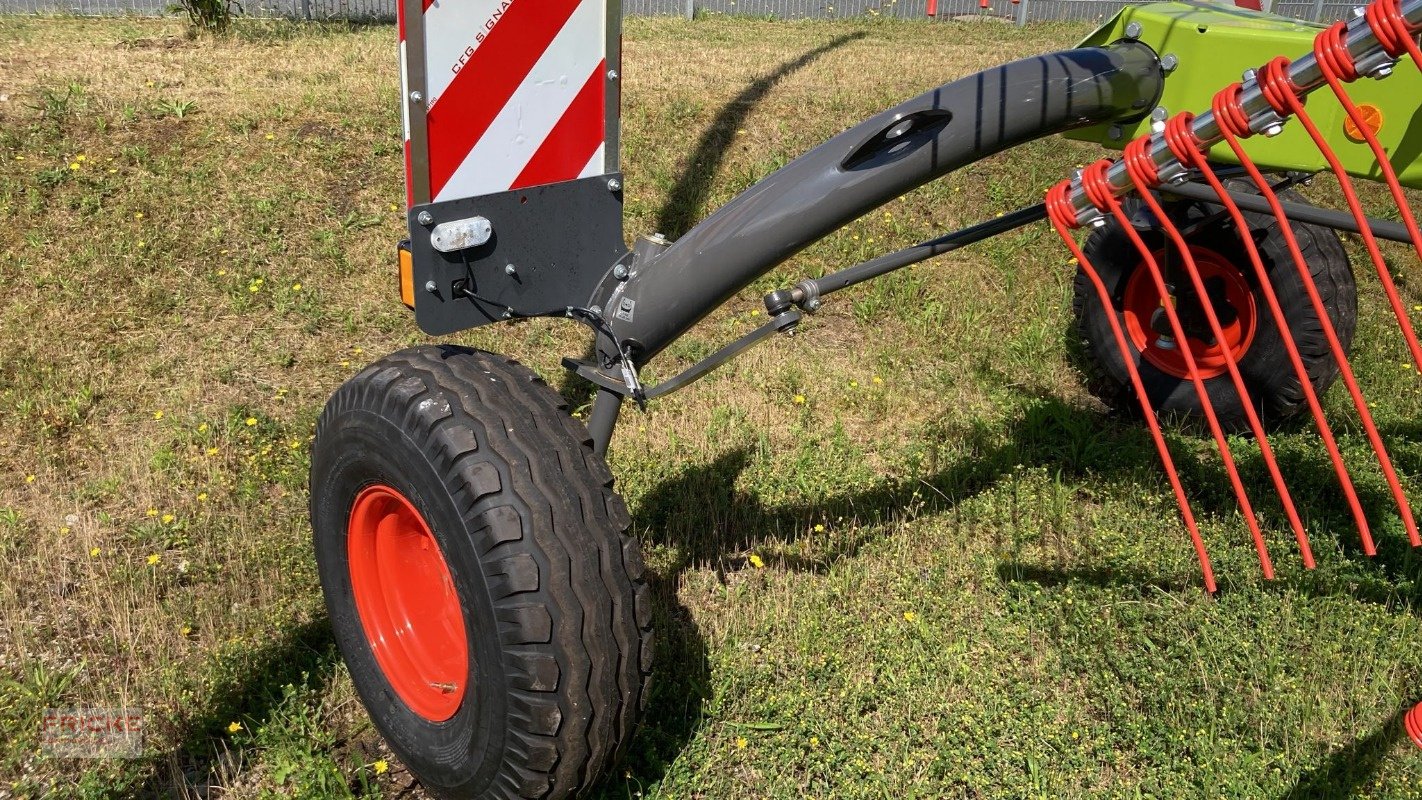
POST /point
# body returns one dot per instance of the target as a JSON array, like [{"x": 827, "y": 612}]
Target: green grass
[{"x": 972, "y": 581}]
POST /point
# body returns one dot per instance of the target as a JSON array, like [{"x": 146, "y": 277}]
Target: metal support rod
[
  {"x": 1313, "y": 215},
  {"x": 885, "y": 264},
  {"x": 1303, "y": 72},
  {"x": 1021, "y": 13},
  {"x": 606, "y": 406}
]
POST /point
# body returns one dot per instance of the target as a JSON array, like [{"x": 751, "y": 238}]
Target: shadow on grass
[
  {"x": 683, "y": 206},
  {"x": 304, "y": 656},
  {"x": 1343, "y": 773},
  {"x": 703, "y": 517}
]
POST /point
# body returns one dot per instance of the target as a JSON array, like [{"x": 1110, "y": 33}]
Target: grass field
[{"x": 902, "y": 554}]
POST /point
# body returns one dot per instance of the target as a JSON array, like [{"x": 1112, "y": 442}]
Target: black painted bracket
[{"x": 546, "y": 250}]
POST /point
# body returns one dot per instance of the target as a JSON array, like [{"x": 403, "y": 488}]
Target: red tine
[
  {"x": 1394, "y": 33},
  {"x": 1186, "y": 147},
  {"x": 1063, "y": 218},
  {"x": 1332, "y": 54},
  {"x": 1273, "y": 80},
  {"x": 1144, "y": 178},
  {"x": 1098, "y": 190},
  {"x": 1233, "y": 120}
]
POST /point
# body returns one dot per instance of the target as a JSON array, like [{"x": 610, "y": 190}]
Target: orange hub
[
  {"x": 407, "y": 603},
  {"x": 1141, "y": 302}
]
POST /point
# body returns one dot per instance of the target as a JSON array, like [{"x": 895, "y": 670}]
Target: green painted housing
[{"x": 1215, "y": 44}]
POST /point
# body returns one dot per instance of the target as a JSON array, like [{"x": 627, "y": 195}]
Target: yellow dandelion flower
[
  {"x": 168, "y": 519},
  {"x": 741, "y": 742},
  {"x": 152, "y": 512},
  {"x": 799, "y": 399},
  {"x": 296, "y": 287},
  {"x": 94, "y": 551},
  {"x": 251, "y": 421},
  {"x": 212, "y": 451},
  {"x": 254, "y": 288},
  {"x": 358, "y": 350},
  {"x": 394, "y": 207},
  {"x": 819, "y": 527},
  {"x": 202, "y": 428},
  {"x": 814, "y": 741},
  {"x": 755, "y": 312},
  {"x": 270, "y": 136},
  {"x": 185, "y": 630},
  {"x": 221, "y": 272},
  {"x": 64, "y": 531},
  {"x": 878, "y": 380},
  {"x": 141, "y": 245},
  {"x": 154, "y": 559},
  {"x": 381, "y": 766},
  {"x": 756, "y": 561},
  {"x": 854, "y": 384},
  {"x": 74, "y": 166},
  {"x": 233, "y": 727},
  {"x": 909, "y": 616},
  {"x": 138, "y": 215},
  {"x": 202, "y": 497},
  {"x": 29, "y": 479},
  {"x": 345, "y": 363},
  {"x": 158, "y": 414},
  {"x": 81, "y": 158}
]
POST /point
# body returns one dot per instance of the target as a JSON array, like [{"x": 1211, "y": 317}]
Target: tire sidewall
[{"x": 361, "y": 447}]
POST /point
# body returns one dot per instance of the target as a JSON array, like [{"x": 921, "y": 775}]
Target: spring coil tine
[
  {"x": 1093, "y": 180},
  {"x": 1063, "y": 219}
]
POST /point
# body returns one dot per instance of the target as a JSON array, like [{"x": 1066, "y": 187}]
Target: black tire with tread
[
  {"x": 553, "y": 590},
  {"x": 1267, "y": 371}
]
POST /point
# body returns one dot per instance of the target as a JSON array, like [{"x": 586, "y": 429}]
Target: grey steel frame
[{"x": 665, "y": 290}]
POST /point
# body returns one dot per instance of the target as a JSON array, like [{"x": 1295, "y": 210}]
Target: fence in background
[{"x": 1027, "y": 11}]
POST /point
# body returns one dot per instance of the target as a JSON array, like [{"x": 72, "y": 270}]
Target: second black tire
[{"x": 1263, "y": 361}]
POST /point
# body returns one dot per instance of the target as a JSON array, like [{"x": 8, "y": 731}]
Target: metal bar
[
  {"x": 876, "y": 161},
  {"x": 415, "y": 69},
  {"x": 1313, "y": 215},
  {"x": 1303, "y": 72},
  {"x": 612, "y": 98},
  {"x": 909, "y": 256},
  {"x": 606, "y": 407}
]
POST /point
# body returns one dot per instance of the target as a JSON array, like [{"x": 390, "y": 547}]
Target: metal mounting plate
[{"x": 561, "y": 239}]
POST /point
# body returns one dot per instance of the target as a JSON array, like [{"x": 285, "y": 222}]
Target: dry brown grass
[{"x": 130, "y": 292}]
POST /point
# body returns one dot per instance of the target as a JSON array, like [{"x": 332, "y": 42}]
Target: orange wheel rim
[
  {"x": 1141, "y": 301},
  {"x": 407, "y": 604}
]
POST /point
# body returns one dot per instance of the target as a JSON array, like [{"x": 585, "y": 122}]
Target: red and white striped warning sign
[{"x": 515, "y": 94}]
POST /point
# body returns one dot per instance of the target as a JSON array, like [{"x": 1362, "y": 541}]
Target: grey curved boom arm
[{"x": 859, "y": 170}]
